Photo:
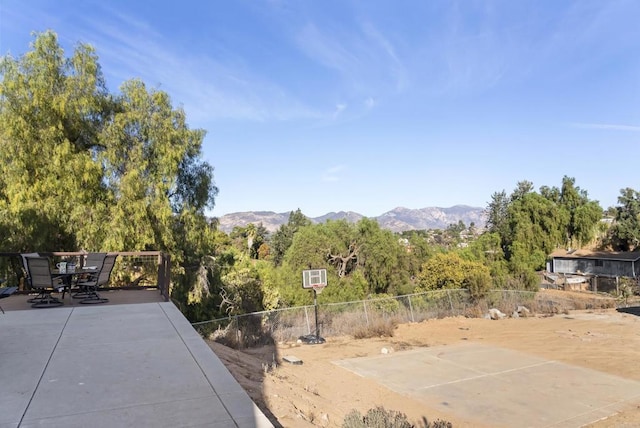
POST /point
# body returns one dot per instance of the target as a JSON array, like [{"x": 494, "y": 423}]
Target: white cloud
[
  {"x": 361, "y": 55},
  {"x": 369, "y": 103},
  {"x": 207, "y": 87},
  {"x": 339, "y": 109},
  {"x": 333, "y": 174},
  {"x": 607, "y": 126}
]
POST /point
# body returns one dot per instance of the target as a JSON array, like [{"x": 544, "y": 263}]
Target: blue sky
[{"x": 365, "y": 106}]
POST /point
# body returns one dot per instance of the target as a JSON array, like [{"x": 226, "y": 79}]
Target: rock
[
  {"x": 324, "y": 420},
  {"x": 515, "y": 314},
  {"x": 523, "y": 311},
  {"x": 386, "y": 350},
  {"x": 495, "y": 314},
  {"x": 292, "y": 359}
]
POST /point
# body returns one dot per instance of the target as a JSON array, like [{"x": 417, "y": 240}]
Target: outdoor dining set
[{"x": 82, "y": 281}]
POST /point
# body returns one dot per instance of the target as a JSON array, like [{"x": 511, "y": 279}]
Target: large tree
[
  {"x": 52, "y": 109},
  {"x": 584, "y": 214},
  {"x": 283, "y": 237},
  {"x": 383, "y": 259},
  {"x": 81, "y": 168},
  {"x": 625, "y": 232}
]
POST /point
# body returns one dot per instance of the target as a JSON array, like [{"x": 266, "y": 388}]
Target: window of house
[{"x": 599, "y": 263}]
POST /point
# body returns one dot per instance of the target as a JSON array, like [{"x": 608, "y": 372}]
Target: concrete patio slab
[
  {"x": 114, "y": 365},
  {"x": 499, "y": 387}
]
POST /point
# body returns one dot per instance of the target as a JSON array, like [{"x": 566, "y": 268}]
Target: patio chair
[
  {"x": 27, "y": 277},
  {"x": 92, "y": 260},
  {"x": 6, "y": 292},
  {"x": 41, "y": 279},
  {"x": 24, "y": 257},
  {"x": 94, "y": 282}
]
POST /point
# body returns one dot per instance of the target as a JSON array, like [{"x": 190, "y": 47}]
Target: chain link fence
[{"x": 348, "y": 318}]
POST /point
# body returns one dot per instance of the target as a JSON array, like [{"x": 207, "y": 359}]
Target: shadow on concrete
[{"x": 633, "y": 310}]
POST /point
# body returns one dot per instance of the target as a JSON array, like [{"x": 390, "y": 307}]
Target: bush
[
  {"x": 384, "y": 303},
  {"x": 379, "y": 417},
  {"x": 379, "y": 327}
]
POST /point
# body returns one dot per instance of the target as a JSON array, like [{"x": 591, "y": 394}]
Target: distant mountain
[
  {"x": 397, "y": 220},
  {"x": 400, "y": 219}
]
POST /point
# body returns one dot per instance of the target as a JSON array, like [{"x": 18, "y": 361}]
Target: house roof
[{"x": 600, "y": 255}]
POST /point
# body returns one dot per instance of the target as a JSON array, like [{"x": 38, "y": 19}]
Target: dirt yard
[{"x": 320, "y": 393}]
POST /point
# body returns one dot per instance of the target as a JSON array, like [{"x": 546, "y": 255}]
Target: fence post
[
  {"x": 366, "y": 315},
  {"x": 306, "y": 316},
  {"x": 450, "y": 302},
  {"x": 235, "y": 320},
  {"x": 411, "y": 309},
  {"x": 164, "y": 274}
]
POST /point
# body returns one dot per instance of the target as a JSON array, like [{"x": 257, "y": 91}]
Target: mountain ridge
[{"x": 398, "y": 219}]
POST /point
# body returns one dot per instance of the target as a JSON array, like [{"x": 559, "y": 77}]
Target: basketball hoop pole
[
  {"x": 315, "y": 279},
  {"x": 315, "y": 304}
]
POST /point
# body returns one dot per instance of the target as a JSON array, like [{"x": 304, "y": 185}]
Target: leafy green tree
[
  {"x": 450, "y": 271},
  {"x": 551, "y": 193},
  {"x": 497, "y": 210},
  {"x": 83, "y": 169},
  {"x": 249, "y": 238},
  {"x": 523, "y": 188},
  {"x": 382, "y": 258},
  {"x": 418, "y": 250},
  {"x": 283, "y": 237},
  {"x": 536, "y": 229},
  {"x": 309, "y": 250},
  {"x": 584, "y": 214},
  {"x": 51, "y": 111},
  {"x": 242, "y": 289},
  {"x": 625, "y": 232}
]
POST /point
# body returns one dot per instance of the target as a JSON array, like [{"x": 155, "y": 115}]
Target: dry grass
[{"x": 380, "y": 327}]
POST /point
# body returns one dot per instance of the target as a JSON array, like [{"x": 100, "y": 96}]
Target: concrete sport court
[{"x": 499, "y": 387}]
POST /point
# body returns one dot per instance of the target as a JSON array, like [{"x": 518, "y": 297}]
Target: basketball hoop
[
  {"x": 314, "y": 278},
  {"x": 318, "y": 288}
]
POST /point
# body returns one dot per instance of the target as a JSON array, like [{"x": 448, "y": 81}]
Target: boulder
[
  {"x": 495, "y": 314},
  {"x": 523, "y": 311}
]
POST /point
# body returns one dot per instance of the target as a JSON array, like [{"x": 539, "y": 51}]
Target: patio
[{"x": 134, "y": 361}]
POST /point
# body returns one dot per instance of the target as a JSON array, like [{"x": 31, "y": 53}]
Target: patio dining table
[{"x": 68, "y": 276}]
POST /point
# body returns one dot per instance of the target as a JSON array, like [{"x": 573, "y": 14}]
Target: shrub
[
  {"x": 384, "y": 303},
  {"x": 379, "y": 417},
  {"x": 378, "y": 327}
]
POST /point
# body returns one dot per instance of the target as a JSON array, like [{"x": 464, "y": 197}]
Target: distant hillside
[{"x": 397, "y": 220}]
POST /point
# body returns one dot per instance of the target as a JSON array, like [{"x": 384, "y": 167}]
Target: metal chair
[
  {"x": 93, "y": 260},
  {"x": 42, "y": 280},
  {"x": 93, "y": 283},
  {"x": 27, "y": 278}
]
